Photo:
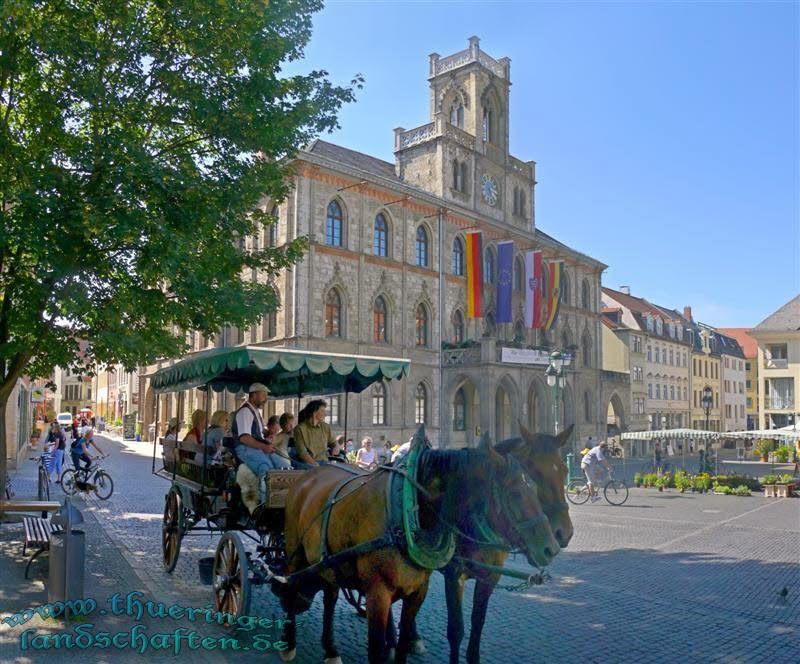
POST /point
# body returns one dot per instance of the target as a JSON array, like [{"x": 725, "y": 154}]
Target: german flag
[
  {"x": 553, "y": 293},
  {"x": 474, "y": 274}
]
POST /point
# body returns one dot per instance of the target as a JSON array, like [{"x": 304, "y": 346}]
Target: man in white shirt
[
  {"x": 590, "y": 465},
  {"x": 252, "y": 446},
  {"x": 402, "y": 451}
]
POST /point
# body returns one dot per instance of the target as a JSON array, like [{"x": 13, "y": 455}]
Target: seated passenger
[
  {"x": 284, "y": 442},
  {"x": 194, "y": 435},
  {"x": 312, "y": 435},
  {"x": 335, "y": 452},
  {"x": 252, "y": 446},
  {"x": 212, "y": 438}
]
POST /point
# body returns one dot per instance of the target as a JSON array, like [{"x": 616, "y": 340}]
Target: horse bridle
[{"x": 501, "y": 499}]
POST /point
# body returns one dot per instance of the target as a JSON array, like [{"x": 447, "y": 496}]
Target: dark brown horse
[
  {"x": 453, "y": 483},
  {"x": 540, "y": 457}
]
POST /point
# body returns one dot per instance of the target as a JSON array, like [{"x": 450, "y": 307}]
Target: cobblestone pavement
[{"x": 667, "y": 576}]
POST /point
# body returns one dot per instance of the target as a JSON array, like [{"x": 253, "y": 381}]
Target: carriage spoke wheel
[
  {"x": 231, "y": 576},
  {"x": 577, "y": 492},
  {"x": 357, "y": 600},
  {"x": 172, "y": 531}
]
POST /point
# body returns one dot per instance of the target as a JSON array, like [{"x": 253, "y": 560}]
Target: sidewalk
[{"x": 108, "y": 573}]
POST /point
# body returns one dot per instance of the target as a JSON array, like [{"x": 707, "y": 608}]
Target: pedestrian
[
  {"x": 57, "y": 439},
  {"x": 657, "y": 456},
  {"x": 702, "y": 461},
  {"x": 366, "y": 458}
]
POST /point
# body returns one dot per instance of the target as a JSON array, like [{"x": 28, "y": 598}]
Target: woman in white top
[{"x": 365, "y": 457}]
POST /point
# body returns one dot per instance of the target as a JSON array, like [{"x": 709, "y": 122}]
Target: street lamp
[
  {"x": 707, "y": 401},
  {"x": 555, "y": 379}
]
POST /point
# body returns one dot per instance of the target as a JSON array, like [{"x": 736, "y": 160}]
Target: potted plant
[
  {"x": 740, "y": 490},
  {"x": 782, "y": 454},
  {"x": 763, "y": 448},
  {"x": 637, "y": 480}
]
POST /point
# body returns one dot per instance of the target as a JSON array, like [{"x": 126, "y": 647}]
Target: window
[
  {"x": 333, "y": 314},
  {"x": 672, "y": 392},
  {"x": 458, "y": 257},
  {"x": 685, "y": 360},
  {"x": 650, "y": 390},
  {"x": 671, "y": 357},
  {"x": 585, "y": 297},
  {"x": 379, "y": 334},
  {"x": 272, "y": 229},
  {"x": 658, "y": 391},
  {"x": 422, "y": 326},
  {"x": 519, "y": 275},
  {"x": 777, "y": 351},
  {"x": 649, "y": 354},
  {"x": 587, "y": 407},
  {"x": 488, "y": 266},
  {"x": 565, "y": 291},
  {"x": 659, "y": 326},
  {"x": 458, "y": 327},
  {"x": 519, "y": 333},
  {"x": 685, "y": 394},
  {"x": 464, "y": 186},
  {"x": 637, "y": 344},
  {"x": 334, "y": 409},
  {"x": 421, "y": 405},
  {"x": 489, "y": 325},
  {"x": 518, "y": 205},
  {"x": 747, "y": 366},
  {"x": 488, "y": 125},
  {"x": 269, "y": 325},
  {"x": 333, "y": 225},
  {"x": 460, "y": 411},
  {"x": 379, "y": 404},
  {"x": 750, "y": 402},
  {"x": 587, "y": 352},
  {"x": 380, "y": 240},
  {"x": 422, "y": 247},
  {"x": 460, "y": 176},
  {"x": 457, "y": 115}
]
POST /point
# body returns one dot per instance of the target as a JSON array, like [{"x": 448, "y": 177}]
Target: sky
[{"x": 665, "y": 133}]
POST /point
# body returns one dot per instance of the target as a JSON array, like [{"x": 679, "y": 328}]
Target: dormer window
[
  {"x": 457, "y": 115},
  {"x": 649, "y": 322},
  {"x": 671, "y": 330},
  {"x": 659, "y": 326}
]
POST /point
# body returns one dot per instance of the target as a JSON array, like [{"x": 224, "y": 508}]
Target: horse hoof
[
  {"x": 288, "y": 655},
  {"x": 418, "y": 647},
  {"x": 333, "y": 660}
]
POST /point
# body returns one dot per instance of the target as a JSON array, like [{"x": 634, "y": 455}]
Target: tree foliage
[{"x": 139, "y": 142}]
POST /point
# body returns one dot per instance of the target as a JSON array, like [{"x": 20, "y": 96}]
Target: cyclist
[
  {"x": 590, "y": 465},
  {"x": 80, "y": 449}
]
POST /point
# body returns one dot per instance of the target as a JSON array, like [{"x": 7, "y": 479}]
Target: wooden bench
[
  {"x": 43, "y": 506},
  {"x": 37, "y": 534}
]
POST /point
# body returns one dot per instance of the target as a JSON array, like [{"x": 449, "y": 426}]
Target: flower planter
[{"x": 769, "y": 491}]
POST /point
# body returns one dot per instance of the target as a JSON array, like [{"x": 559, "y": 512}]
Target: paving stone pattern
[{"x": 667, "y": 576}]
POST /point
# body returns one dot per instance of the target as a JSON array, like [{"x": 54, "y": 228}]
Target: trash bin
[
  {"x": 67, "y": 556},
  {"x": 67, "y": 563}
]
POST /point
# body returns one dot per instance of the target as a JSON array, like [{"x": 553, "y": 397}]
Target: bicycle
[
  {"x": 101, "y": 483},
  {"x": 45, "y": 460},
  {"x": 614, "y": 491}
]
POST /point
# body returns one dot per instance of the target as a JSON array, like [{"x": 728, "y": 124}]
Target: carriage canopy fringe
[{"x": 287, "y": 372}]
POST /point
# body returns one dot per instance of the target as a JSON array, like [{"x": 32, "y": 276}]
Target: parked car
[{"x": 64, "y": 420}]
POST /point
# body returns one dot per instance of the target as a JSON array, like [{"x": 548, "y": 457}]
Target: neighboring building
[
  {"x": 778, "y": 338},
  {"x": 662, "y": 368},
  {"x": 751, "y": 383},
  {"x": 385, "y": 275},
  {"x": 732, "y": 377},
  {"x": 19, "y": 419},
  {"x": 624, "y": 351},
  {"x": 73, "y": 392},
  {"x": 117, "y": 392}
]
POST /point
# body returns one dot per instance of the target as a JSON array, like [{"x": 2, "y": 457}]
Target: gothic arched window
[
  {"x": 333, "y": 314},
  {"x": 458, "y": 257},
  {"x": 564, "y": 287},
  {"x": 586, "y": 353},
  {"x": 421, "y": 325},
  {"x": 379, "y": 404},
  {"x": 519, "y": 275},
  {"x": 272, "y": 229},
  {"x": 488, "y": 125},
  {"x": 460, "y": 411},
  {"x": 457, "y": 115},
  {"x": 421, "y": 404},
  {"x": 488, "y": 266},
  {"x": 380, "y": 243},
  {"x": 379, "y": 319},
  {"x": 585, "y": 297},
  {"x": 587, "y": 406},
  {"x": 458, "y": 327},
  {"x": 422, "y": 247},
  {"x": 333, "y": 225}
]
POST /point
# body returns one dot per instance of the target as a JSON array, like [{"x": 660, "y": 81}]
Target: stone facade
[{"x": 383, "y": 238}]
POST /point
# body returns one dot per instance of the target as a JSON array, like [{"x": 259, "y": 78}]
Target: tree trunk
[{"x": 4, "y": 395}]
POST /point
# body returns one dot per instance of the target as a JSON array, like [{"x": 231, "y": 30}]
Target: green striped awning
[{"x": 286, "y": 372}]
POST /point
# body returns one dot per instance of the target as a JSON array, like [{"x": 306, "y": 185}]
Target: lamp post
[
  {"x": 555, "y": 379},
  {"x": 707, "y": 401}
]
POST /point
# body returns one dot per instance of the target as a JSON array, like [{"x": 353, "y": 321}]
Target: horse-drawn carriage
[{"x": 205, "y": 489}]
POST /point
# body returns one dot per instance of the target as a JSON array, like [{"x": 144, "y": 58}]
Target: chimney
[
  {"x": 625, "y": 289},
  {"x": 687, "y": 313}
]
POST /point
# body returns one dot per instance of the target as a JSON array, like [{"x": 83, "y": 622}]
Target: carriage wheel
[
  {"x": 231, "y": 576},
  {"x": 172, "y": 530},
  {"x": 357, "y": 600}
]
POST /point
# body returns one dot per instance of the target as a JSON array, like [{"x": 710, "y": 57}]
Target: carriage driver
[{"x": 252, "y": 447}]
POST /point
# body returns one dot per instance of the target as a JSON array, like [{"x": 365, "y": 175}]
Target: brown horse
[
  {"x": 539, "y": 455},
  {"x": 453, "y": 483}
]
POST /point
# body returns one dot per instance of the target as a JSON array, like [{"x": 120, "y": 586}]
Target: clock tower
[{"x": 462, "y": 153}]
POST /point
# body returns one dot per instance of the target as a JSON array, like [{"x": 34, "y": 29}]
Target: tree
[{"x": 138, "y": 141}]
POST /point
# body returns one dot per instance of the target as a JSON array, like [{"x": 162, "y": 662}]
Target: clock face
[{"x": 489, "y": 189}]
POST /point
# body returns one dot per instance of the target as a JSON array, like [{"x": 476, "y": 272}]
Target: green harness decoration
[{"x": 432, "y": 548}]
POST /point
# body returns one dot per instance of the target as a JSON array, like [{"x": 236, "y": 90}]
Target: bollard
[{"x": 67, "y": 556}]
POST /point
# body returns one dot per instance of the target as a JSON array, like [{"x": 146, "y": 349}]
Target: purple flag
[{"x": 505, "y": 281}]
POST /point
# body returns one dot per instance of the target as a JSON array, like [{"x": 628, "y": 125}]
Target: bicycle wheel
[
  {"x": 44, "y": 485},
  {"x": 69, "y": 482},
  {"x": 577, "y": 492},
  {"x": 616, "y": 492},
  {"x": 103, "y": 485}
]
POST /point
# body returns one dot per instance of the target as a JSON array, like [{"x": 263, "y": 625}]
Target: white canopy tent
[
  {"x": 665, "y": 434},
  {"x": 784, "y": 435}
]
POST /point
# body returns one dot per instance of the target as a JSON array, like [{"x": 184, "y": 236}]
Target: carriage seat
[{"x": 271, "y": 491}]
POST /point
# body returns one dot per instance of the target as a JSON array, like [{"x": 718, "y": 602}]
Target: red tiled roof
[
  {"x": 748, "y": 344},
  {"x": 636, "y": 304}
]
